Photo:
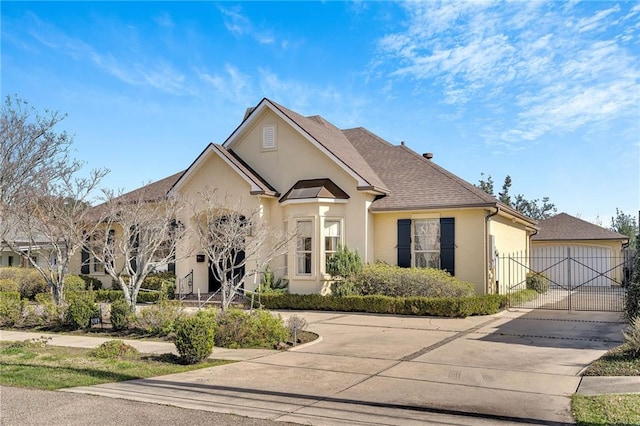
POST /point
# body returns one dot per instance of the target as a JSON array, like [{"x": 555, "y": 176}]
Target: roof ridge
[{"x": 370, "y": 133}]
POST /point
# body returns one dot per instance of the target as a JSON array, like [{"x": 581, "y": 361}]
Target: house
[
  {"x": 596, "y": 253},
  {"x": 351, "y": 187}
]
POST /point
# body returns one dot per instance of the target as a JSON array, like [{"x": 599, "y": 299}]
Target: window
[
  {"x": 332, "y": 238},
  {"x": 304, "y": 247},
  {"x": 269, "y": 137},
  {"x": 426, "y": 243},
  {"x": 285, "y": 261}
]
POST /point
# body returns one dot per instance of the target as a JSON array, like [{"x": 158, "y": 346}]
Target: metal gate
[{"x": 579, "y": 279}]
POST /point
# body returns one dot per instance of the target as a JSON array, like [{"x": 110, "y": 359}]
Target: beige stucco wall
[
  {"x": 510, "y": 238},
  {"x": 295, "y": 158},
  {"x": 213, "y": 172},
  {"x": 469, "y": 241}
]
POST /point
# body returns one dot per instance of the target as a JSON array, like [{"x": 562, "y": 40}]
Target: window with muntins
[
  {"x": 304, "y": 247},
  {"x": 332, "y": 238},
  {"x": 426, "y": 243}
]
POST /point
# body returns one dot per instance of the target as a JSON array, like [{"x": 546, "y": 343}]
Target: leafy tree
[
  {"x": 533, "y": 208},
  {"x": 486, "y": 185},
  {"x": 625, "y": 224}
]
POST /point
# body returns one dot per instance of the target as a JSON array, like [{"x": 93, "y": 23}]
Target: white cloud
[
  {"x": 240, "y": 25},
  {"x": 142, "y": 71},
  {"x": 164, "y": 20},
  {"x": 552, "y": 67}
]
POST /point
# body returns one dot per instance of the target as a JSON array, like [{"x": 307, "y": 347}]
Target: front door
[{"x": 237, "y": 271}]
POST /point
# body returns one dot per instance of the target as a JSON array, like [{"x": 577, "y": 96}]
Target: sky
[{"x": 545, "y": 92}]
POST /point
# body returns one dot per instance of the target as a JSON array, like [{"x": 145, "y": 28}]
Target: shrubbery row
[{"x": 446, "y": 307}]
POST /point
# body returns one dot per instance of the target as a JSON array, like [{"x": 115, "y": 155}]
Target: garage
[{"x": 575, "y": 253}]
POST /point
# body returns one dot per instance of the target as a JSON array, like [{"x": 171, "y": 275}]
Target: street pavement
[{"x": 515, "y": 367}]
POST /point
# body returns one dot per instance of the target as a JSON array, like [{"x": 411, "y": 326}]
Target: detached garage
[{"x": 574, "y": 253}]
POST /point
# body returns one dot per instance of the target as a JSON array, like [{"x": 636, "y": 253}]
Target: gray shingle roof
[
  {"x": 566, "y": 227},
  {"x": 414, "y": 182}
]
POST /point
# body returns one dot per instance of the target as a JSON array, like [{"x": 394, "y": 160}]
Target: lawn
[
  {"x": 38, "y": 365},
  {"x": 614, "y": 409}
]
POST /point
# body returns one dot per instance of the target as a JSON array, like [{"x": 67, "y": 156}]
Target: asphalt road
[{"x": 37, "y": 407}]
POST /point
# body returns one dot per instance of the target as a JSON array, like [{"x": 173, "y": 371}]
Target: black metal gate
[{"x": 566, "y": 278}]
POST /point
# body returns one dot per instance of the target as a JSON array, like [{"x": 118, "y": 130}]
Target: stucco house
[
  {"x": 353, "y": 188},
  {"x": 597, "y": 252}
]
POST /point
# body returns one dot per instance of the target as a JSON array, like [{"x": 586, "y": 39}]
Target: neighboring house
[
  {"x": 85, "y": 264},
  {"x": 38, "y": 248},
  {"x": 597, "y": 253},
  {"x": 351, "y": 187}
]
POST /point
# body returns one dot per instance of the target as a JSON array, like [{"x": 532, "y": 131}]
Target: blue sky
[{"x": 546, "y": 92}]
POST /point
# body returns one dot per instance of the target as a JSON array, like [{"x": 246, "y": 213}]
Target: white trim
[
  {"x": 265, "y": 103},
  {"x": 314, "y": 200}
]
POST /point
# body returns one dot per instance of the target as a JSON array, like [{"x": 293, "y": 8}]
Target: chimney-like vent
[{"x": 428, "y": 155}]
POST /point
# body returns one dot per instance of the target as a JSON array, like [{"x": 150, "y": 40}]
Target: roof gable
[
  {"x": 259, "y": 186},
  {"x": 324, "y": 136},
  {"x": 566, "y": 227}
]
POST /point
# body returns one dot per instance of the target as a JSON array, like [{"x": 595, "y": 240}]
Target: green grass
[
  {"x": 616, "y": 362},
  {"x": 610, "y": 410},
  {"x": 51, "y": 367}
]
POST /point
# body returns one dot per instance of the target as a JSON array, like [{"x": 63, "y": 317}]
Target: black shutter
[
  {"x": 404, "y": 243},
  {"x": 85, "y": 268},
  {"x": 447, "y": 244}
]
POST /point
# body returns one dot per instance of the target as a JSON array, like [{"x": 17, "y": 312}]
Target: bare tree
[
  {"x": 134, "y": 235},
  {"x": 31, "y": 152},
  {"x": 47, "y": 230},
  {"x": 238, "y": 243}
]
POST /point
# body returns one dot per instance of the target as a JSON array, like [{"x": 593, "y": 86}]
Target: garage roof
[{"x": 566, "y": 227}]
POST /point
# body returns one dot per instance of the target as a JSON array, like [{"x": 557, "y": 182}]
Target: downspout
[{"x": 487, "y": 239}]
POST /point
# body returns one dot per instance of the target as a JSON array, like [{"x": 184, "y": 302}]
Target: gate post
[{"x": 569, "y": 284}]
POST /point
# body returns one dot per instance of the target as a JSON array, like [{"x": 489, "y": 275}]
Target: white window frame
[
  {"x": 285, "y": 260},
  {"x": 428, "y": 249},
  {"x": 310, "y": 252},
  {"x": 340, "y": 237}
]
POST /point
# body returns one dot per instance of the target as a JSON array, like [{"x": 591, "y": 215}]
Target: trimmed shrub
[
  {"x": 268, "y": 284},
  {"x": 120, "y": 315},
  {"x": 114, "y": 349},
  {"x": 51, "y": 313},
  {"x": 194, "y": 338},
  {"x": 538, "y": 282},
  {"x": 91, "y": 283},
  {"x": 160, "y": 319},
  {"x": 82, "y": 306},
  {"x": 29, "y": 282},
  {"x": 240, "y": 329},
  {"x": 343, "y": 288},
  {"x": 74, "y": 283},
  {"x": 109, "y": 296},
  {"x": 422, "y": 306},
  {"x": 164, "y": 282},
  {"x": 9, "y": 285},
  {"x": 11, "y": 309},
  {"x": 632, "y": 302},
  {"x": 344, "y": 263},
  {"x": 388, "y": 280}
]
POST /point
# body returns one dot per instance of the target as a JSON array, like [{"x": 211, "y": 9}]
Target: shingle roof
[
  {"x": 566, "y": 227},
  {"x": 414, "y": 181},
  {"x": 334, "y": 140},
  {"x": 315, "y": 188},
  {"x": 153, "y": 191}
]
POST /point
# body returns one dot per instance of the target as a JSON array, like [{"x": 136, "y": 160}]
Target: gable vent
[{"x": 269, "y": 137}]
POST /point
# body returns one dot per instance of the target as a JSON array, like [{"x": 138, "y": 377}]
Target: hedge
[
  {"x": 416, "y": 305},
  {"x": 110, "y": 296}
]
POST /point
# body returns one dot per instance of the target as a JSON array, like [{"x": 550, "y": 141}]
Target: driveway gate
[{"x": 579, "y": 280}]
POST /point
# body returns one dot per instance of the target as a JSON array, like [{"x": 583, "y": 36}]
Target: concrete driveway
[{"x": 511, "y": 368}]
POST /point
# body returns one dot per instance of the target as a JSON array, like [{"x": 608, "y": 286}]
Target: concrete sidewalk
[{"x": 509, "y": 368}]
